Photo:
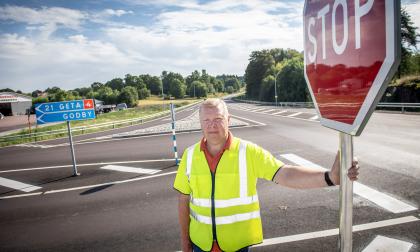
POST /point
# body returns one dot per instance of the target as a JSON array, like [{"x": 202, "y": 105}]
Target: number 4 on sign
[{"x": 88, "y": 104}]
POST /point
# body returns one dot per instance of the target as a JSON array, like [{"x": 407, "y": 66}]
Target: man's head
[{"x": 214, "y": 119}]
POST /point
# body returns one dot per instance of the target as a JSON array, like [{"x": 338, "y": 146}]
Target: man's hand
[{"x": 352, "y": 173}]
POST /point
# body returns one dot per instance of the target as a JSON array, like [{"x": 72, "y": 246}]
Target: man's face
[{"x": 214, "y": 124}]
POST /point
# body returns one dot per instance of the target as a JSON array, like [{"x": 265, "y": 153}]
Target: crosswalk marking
[
  {"x": 281, "y": 112},
  {"x": 295, "y": 114},
  {"x": 382, "y": 243},
  {"x": 257, "y": 109},
  {"x": 266, "y": 111},
  {"x": 17, "y": 185},
  {"x": 381, "y": 199},
  {"x": 333, "y": 232},
  {"x": 130, "y": 169}
]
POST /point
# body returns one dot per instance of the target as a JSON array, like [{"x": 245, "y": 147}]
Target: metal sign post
[
  {"x": 75, "y": 173},
  {"x": 66, "y": 111},
  {"x": 346, "y": 193},
  {"x": 173, "y": 132}
]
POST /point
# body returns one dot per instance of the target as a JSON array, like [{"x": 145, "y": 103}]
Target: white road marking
[
  {"x": 295, "y": 114},
  {"x": 332, "y": 232},
  {"x": 381, "y": 199},
  {"x": 314, "y": 118},
  {"x": 129, "y": 169},
  {"x": 281, "y": 112},
  {"x": 385, "y": 244},
  {"x": 257, "y": 110},
  {"x": 89, "y": 164},
  {"x": 18, "y": 185},
  {"x": 246, "y": 119},
  {"x": 88, "y": 186},
  {"x": 266, "y": 111}
]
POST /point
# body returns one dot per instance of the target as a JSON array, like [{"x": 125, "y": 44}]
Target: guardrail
[
  {"x": 402, "y": 106},
  {"x": 83, "y": 129}
]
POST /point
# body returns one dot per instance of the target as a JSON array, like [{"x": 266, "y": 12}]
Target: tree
[
  {"x": 107, "y": 95},
  {"x": 129, "y": 96},
  {"x": 154, "y": 84},
  {"x": 232, "y": 82},
  {"x": 230, "y": 90},
  {"x": 96, "y": 86},
  {"x": 143, "y": 93},
  {"x": 409, "y": 40},
  {"x": 36, "y": 93},
  {"x": 267, "y": 89},
  {"x": 177, "y": 89},
  {"x": 170, "y": 83},
  {"x": 116, "y": 84},
  {"x": 200, "y": 89},
  {"x": 291, "y": 82},
  {"x": 7, "y": 90}
]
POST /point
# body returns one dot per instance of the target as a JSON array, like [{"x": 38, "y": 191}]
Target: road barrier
[{"x": 402, "y": 106}]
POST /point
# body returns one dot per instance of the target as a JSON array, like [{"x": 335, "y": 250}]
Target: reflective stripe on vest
[
  {"x": 225, "y": 219},
  {"x": 243, "y": 191}
]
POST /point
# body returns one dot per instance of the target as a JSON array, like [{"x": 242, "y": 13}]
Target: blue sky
[{"x": 72, "y": 44}]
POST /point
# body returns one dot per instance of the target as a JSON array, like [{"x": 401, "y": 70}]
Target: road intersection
[{"x": 124, "y": 198}]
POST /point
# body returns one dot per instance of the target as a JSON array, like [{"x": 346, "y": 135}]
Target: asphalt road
[{"x": 109, "y": 210}]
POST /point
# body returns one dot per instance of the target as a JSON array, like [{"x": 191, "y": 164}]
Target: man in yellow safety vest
[{"x": 218, "y": 203}]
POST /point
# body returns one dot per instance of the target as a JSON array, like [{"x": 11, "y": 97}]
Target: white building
[{"x": 14, "y": 104}]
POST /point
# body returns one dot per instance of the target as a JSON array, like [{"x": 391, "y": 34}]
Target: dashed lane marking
[
  {"x": 314, "y": 118},
  {"x": 382, "y": 243},
  {"x": 129, "y": 169},
  {"x": 18, "y": 185},
  {"x": 381, "y": 199},
  {"x": 335, "y": 231}
]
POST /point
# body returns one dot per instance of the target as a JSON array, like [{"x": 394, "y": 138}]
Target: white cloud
[
  {"x": 218, "y": 36},
  {"x": 414, "y": 10},
  {"x": 118, "y": 13}
]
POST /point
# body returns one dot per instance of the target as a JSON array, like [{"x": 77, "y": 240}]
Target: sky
[{"x": 72, "y": 44}]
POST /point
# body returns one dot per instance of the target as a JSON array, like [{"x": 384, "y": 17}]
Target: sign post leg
[
  {"x": 346, "y": 193},
  {"x": 75, "y": 173},
  {"x": 173, "y": 132}
]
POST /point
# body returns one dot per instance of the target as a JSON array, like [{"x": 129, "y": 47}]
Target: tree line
[
  {"x": 284, "y": 67},
  {"x": 132, "y": 88}
]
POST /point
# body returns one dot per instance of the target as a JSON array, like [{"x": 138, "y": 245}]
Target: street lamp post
[{"x": 275, "y": 86}]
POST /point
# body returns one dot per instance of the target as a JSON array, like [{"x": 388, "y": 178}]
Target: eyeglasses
[{"x": 217, "y": 121}]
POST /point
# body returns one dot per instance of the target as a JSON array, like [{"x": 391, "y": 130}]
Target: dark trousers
[{"x": 198, "y": 249}]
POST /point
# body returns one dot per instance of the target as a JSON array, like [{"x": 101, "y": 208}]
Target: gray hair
[{"x": 214, "y": 103}]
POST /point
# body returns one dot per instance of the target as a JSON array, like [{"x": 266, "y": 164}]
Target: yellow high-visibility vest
[{"x": 224, "y": 206}]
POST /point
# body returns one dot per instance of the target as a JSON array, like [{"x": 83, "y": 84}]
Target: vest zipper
[{"x": 213, "y": 211}]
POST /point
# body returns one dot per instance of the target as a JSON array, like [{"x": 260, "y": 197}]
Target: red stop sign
[{"x": 352, "y": 50}]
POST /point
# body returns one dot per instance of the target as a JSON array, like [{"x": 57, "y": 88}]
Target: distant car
[{"x": 121, "y": 106}]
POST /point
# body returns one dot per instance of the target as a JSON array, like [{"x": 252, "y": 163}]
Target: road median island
[{"x": 103, "y": 122}]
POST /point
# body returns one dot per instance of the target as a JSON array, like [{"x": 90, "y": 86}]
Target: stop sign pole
[{"x": 351, "y": 52}]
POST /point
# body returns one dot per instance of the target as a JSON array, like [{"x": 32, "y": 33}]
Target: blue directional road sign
[{"x": 64, "y": 111}]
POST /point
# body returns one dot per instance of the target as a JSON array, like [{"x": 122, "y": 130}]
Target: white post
[
  {"x": 346, "y": 193},
  {"x": 75, "y": 173}
]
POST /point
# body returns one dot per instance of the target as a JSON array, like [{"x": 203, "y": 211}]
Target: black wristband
[{"x": 328, "y": 180}]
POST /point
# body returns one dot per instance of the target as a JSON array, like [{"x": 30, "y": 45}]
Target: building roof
[{"x": 6, "y": 97}]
